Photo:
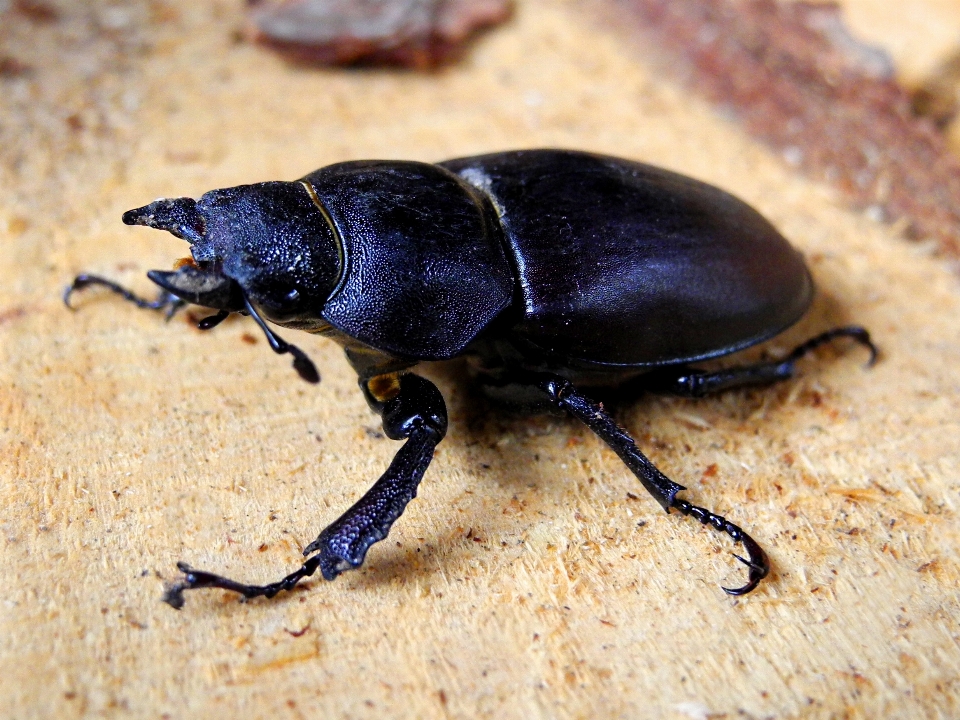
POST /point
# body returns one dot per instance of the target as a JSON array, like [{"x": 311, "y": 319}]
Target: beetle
[{"x": 548, "y": 269}]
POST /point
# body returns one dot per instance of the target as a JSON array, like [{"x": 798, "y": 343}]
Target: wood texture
[{"x": 524, "y": 581}]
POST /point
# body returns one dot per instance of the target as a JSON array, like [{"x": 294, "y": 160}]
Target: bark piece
[
  {"x": 798, "y": 80},
  {"x": 420, "y": 34}
]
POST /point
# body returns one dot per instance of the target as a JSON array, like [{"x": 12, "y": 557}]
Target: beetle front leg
[
  {"x": 165, "y": 300},
  {"x": 412, "y": 409},
  {"x": 565, "y": 396}
]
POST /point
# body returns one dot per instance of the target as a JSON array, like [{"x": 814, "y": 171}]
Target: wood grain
[{"x": 524, "y": 581}]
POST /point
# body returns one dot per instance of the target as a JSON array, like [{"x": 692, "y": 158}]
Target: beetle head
[{"x": 268, "y": 243}]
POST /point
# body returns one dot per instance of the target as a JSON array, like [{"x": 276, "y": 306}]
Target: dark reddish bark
[
  {"x": 799, "y": 81},
  {"x": 420, "y": 34}
]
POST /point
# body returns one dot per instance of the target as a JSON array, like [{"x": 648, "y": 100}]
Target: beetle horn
[{"x": 178, "y": 216}]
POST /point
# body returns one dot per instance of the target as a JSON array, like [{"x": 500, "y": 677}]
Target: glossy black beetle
[{"x": 545, "y": 267}]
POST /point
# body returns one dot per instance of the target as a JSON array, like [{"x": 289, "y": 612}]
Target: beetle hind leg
[
  {"x": 565, "y": 396},
  {"x": 687, "y": 381},
  {"x": 758, "y": 563}
]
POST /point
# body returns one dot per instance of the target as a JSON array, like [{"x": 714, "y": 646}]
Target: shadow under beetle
[{"x": 548, "y": 269}]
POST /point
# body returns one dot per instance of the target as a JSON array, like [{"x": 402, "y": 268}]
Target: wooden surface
[{"x": 524, "y": 581}]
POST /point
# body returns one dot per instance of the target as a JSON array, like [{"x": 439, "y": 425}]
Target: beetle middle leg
[
  {"x": 412, "y": 409},
  {"x": 566, "y": 397}
]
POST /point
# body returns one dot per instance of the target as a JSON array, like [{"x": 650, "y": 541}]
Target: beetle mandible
[{"x": 548, "y": 269}]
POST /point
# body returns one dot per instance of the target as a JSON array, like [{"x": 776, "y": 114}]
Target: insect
[{"x": 548, "y": 269}]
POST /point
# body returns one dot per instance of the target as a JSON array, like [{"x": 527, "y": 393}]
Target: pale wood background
[{"x": 523, "y": 582}]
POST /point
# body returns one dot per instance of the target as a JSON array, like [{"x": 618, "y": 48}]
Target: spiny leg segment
[
  {"x": 418, "y": 415},
  {"x": 344, "y": 544},
  {"x": 691, "y": 382},
  {"x": 664, "y": 490}
]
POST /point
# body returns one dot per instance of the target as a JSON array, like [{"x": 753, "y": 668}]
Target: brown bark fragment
[
  {"x": 420, "y": 34},
  {"x": 939, "y": 95},
  {"x": 39, "y": 12},
  {"x": 11, "y": 67},
  {"x": 798, "y": 80}
]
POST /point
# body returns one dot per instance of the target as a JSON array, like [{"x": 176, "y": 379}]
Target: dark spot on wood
[
  {"x": 937, "y": 98},
  {"x": 38, "y": 12},
  {"x": 298, "y": 633},
  {"x": 14, "y": 313},
  {"x": 10, "y": 67}
]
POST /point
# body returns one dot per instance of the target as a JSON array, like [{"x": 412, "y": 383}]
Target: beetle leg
[
  {"x": 691, "y": 382},
  {"x": 416, "y": 413},
  {"x": 664, "y": 490},
  {"x": 165, "y": 300},
  {"x": 758, "y": 563}
]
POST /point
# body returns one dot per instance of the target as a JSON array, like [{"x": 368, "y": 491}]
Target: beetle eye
[{"x": 293, "y": 295}]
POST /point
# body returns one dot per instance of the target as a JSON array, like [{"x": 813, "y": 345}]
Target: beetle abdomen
[
  {"x": 424, "y": 269},
  {"x": 623, "y": 263}
]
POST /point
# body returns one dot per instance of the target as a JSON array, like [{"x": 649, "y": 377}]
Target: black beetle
[{"x": 547, "y": 268}]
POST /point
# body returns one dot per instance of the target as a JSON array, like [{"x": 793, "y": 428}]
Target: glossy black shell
[
  {"x": 424, "y": 269},
  {"x": 621, "y": 263},
  {"x": 585, "y": 260}
]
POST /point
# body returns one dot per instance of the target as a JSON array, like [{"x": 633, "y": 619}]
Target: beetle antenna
[
  {"x": 301, "y": 363},
  {"x": 758, "y": 563}
]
